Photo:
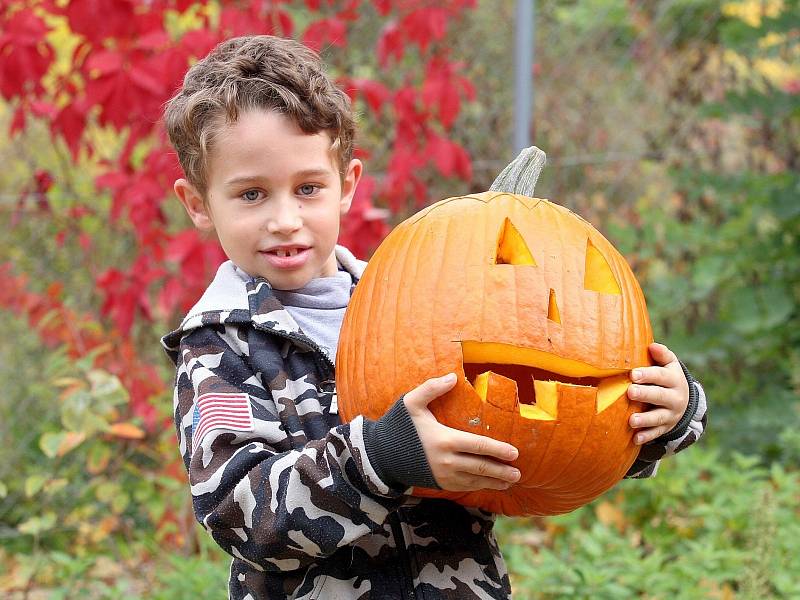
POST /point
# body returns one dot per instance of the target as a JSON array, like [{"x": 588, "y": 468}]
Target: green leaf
[
  {"x": 34, "y": 484},
  {"x": 120, "y": 502},
  {"x": 751, "y": 310},
  {"x": 38, "y": 525},
  {"x": 107, "y": 491},
  {"x": 786, "y": 201},
  {"x": 738, "y": 35},
  {"x": 81, "y": 413},
  {"x": 50, "y": 442},
  {"x": 778, "y": 305},
  {"x": 98, "y": 458},
  {"x": 54, "y": 486},
  {"x": 708, "y": 272},
  {"x": 107, "y": 388}
]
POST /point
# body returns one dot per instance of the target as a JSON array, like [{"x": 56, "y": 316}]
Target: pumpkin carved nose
[{"x": 552, "y": 308}]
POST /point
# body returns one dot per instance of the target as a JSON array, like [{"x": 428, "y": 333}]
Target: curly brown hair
[{"x": 255, "y": 72}]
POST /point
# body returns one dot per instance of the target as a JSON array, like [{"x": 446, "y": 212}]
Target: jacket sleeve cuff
[
  {"x": 691, "y": 409},
  {"x": 395, "y": 450}
]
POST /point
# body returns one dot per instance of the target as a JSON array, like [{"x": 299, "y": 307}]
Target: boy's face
[{"x": 275, "y": 198}]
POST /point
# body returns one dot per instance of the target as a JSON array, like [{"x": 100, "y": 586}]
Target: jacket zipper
[
  {"x": 394, "y": 518},
  {"x": 397, "y": 530},
  {"x": 405, "y": 561},
  {"x": 303, "y": 341}
]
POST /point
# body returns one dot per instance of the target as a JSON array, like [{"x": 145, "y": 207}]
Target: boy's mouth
[
  {"x": 283, "y": 253},
  {"x": 287, "y": 257}
]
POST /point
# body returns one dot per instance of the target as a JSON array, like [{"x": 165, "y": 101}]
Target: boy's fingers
[
  {"x": 651, "y": 424},
  {"x": 483, "y": 446},
  {"x": 467, "y": 482},
  {"x": 652, "y": 418},
  {"x": 661, "y": 376},
  {"x": 423, "y": 394},
  {"x": 651, "y": 394},
  {"x": 486, "y": 469},
  {"x": 661, "y": 354},
  {"x": 648, "y": 435}
]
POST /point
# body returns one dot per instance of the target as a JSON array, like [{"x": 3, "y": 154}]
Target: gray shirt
[{"x": 319, "y": 308}]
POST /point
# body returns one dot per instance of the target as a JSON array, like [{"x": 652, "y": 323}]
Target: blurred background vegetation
[{"x": 673, "y": 126}]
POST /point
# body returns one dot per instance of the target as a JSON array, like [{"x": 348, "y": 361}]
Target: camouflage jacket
[{"x": 290, "y": 491}]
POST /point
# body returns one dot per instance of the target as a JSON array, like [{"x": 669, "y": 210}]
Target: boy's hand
[
  {"x": 460, "y": 461},
  {"x": 664, "y": 387}
]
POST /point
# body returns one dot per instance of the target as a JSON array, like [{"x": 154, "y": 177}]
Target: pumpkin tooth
[
  {"x": 502, "y": 392},
  {"x": 546, "y": 406},
  {"x": 497, "y": 390},
  {"x": 611, "y": 389},
  {"x": 481, "y": 385}
]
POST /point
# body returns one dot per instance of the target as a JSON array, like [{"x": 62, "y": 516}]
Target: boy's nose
[{"x": 285, "y": 216}]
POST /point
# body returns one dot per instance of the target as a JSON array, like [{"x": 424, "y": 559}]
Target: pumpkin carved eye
[
  {"x": 598, "y": 276},
  {"x": 511, "y": 248}
]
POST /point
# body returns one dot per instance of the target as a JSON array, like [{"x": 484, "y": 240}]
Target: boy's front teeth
[{"x": 285, "y": 253}]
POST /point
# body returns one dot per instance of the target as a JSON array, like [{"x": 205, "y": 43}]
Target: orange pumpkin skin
[{"x": 539, "y": 316}]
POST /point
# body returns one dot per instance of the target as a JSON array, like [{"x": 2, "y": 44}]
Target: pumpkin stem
[{"x": 520, "y": 176}]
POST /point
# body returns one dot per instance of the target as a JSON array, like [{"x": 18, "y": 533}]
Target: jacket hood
[{"x": 235, "y": 297}]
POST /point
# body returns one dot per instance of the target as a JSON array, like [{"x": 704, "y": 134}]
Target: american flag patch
[{"x": 221, "y": 411}]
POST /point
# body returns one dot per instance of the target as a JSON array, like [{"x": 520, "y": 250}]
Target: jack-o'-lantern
[{"x": 541, "y": 319}]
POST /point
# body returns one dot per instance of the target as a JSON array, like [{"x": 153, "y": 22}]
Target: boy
[{"x": 310, "y": 507}]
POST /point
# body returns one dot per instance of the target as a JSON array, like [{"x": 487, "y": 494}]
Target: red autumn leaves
[{"x": 127, "y": 58}]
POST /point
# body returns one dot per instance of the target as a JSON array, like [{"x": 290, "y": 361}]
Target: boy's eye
[
  {"x": 251, "y": 195},
  {"x": 307, "y": 189}
]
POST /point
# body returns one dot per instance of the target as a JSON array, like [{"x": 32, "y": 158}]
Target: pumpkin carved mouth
[{"x": 528, "y": 380}]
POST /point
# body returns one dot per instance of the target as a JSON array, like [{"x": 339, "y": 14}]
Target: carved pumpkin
[{"x": 540, "y": 318}]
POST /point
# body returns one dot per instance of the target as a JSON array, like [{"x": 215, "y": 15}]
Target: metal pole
[{"x": 523, "y": 74}]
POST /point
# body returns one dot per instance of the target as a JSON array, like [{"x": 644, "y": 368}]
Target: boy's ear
[
  {"x": 351, "y": 178},
  {"x": 193, "y": 203}
]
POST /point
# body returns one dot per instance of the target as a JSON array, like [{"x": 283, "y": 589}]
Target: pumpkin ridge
[
  {"x": 559, "y": 218},
  {"x": 412, "y": 257},
  {"x": 413, "y": 219},
  {"x": 554, "y": 477},
  {"x": 437, "y": 288},
  {"x": 598, "y": 483},
  {"x": 533, "y": 468},
  {"x": 353, "y": 349},
  {"x": 517, "y": 301},
  {"x": 485, "y": 198},
  {"x": 394, "y": 258}
]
